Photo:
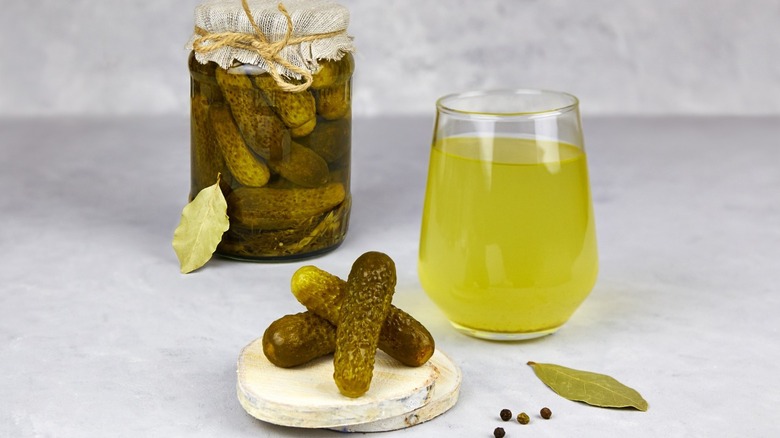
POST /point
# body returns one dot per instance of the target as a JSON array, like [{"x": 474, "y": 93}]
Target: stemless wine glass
[{"x": 508, "y": 242}]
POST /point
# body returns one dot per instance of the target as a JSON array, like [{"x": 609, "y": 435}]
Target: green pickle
[
  {"x": 244, "y": 166},
  {"x": 315, "y": 234},
  {"x": 276, "y": 209},
  {"x": 295, "y": 109},
  {"x": 204, "y": 80},
  {"x": 333, "y": 88},
  {"x": 333, "y": 72},
  {"x": 260, "y": 127},
  {"x": 284, "y": 168},
  {"x": 333, "y": 103},
  {"x": 302, "y": 167},
  {"x": 294, "y": 340},
  {"x": 350, "y": 319},
  {"x": 366, "y": 302},
  {"x": 402, "y": 337},
  {"x": 207, "y": 160},
  {"x": 304, "y": 130},
  {"x": 329, "y": 139}
]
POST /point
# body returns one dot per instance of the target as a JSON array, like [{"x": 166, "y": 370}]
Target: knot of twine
[{"x": 258, "y": 43}]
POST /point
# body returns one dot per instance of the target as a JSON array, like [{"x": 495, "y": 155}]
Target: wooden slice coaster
[
  {"x": 306, "y": 396},
  {"x": 445, "y": 395}
]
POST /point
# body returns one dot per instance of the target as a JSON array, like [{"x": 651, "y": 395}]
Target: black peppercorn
[
  {"x": 506, "y": 414},
  {"x": 499, "y": 432},
  {"x": 523, "y": 418},
  {"x": 546, "y": 413}
]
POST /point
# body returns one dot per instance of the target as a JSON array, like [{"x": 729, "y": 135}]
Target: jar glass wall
[{"x": 283, "y": 158}]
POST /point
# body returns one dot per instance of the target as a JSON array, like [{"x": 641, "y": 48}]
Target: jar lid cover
[{"x": 226, "y": 34}]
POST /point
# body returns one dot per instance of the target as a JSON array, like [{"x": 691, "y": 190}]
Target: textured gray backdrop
[{"x": 101, "y": 57}]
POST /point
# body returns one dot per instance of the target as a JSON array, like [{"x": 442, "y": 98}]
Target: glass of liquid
[{"x": 508, "y": 241}]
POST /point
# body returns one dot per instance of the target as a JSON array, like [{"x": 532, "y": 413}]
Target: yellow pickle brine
[{"x": 271, "y": 87}]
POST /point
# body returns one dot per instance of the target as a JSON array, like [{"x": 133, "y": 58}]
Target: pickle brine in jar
[{"x": 271, "y": 115}]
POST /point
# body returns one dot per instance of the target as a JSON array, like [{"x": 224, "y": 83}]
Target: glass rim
[{"x": 552, "y": 110}]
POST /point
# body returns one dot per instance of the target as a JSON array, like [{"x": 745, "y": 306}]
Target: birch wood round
[
  {"x": 445, "y": 395},
  {"x": 306, "y": 396}
]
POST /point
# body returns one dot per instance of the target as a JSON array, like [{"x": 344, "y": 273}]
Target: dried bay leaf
[
  {"x": 585, "y": 386},
  {"x": 203, "y": 221}
]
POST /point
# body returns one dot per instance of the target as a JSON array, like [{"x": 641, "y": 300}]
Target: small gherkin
[
  {"x": 314, "y": 233},
  {"x": 370, "y": 288},
  {"x": 276, "y": 209},
  {"x": 293, "y": 340},
  {"x": 332, "y": 72},
  {"x": 244, "y": 167},
  {"x": 305, "y": 129},
  {"x": 207, "y": 160},
  {"x": 302, "y": 167},
  {"x": 330, "y": 139},
  {"x": 260, "y": 127},
  {"x": 334, "y": 102},
  {"x": 402, "y": 337},
  {"x": 204, "y": 80},
  {"x": 294, "y": 108}
]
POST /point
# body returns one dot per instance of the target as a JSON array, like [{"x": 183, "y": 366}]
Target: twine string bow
[{"x": 257, "y": 42}]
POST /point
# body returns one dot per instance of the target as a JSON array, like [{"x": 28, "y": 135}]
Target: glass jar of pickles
[{"x": 271, "y": 120}]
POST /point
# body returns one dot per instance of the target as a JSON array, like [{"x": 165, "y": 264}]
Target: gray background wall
[{"x": 99, "y": 57}]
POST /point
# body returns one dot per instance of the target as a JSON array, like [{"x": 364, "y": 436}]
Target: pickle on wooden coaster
[
  {"x": 444, "y": 396},
  {"x": 294, "y": 340},
  {"x": 402, "y": 337},
  {"x": 366, "y": 302}
]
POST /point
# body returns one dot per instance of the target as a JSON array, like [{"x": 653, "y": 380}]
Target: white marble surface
[
  {"x": 101, "y": 57},
  {"x": 101, "y": 336}
]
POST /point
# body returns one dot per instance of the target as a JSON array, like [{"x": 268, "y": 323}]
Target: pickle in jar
[
  {"x": 276, "y": 209},
  {"x": 204, "y": 80},
  {"x": 332, "y": 72},
  {"x": 207, "y": 161},
  {"x": 260, "y": 127},
  {"x": 294, "y": 108},
  {"x": 244, "y": 167},
  {"x": 302, "y": 166},
  {"x": 330, "y": 139},
  {"x": 304, "y": 130},
  {"x": 333, "y": 103},
  {"x": 311, "y": 235}
]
